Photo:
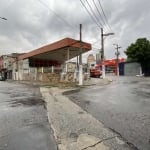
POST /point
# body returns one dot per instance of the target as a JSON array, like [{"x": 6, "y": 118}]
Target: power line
[
  {"x": 90, "y": 14},
  {"x": 103, "y": 20},
  {"x": 104, "y": 14},
  {"x": 93, "y": 12},
  {"x": 93, "y": 15},
  {"x": 58, "y": 16}
]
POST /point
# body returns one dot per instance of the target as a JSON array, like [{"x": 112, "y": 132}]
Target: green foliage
[{"x": 140, "y": 52}]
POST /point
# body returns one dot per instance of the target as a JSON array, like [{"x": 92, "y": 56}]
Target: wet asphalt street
[
  {"x": 123, "y": 106},
  {"x": 23, "y": 119}
]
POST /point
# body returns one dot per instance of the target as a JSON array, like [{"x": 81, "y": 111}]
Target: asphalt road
[
  {"x": 23, "y": 120},
  {"x": 123, "y": 106}
]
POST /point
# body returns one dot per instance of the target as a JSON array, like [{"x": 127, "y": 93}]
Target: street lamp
[
  {"x": 3, "y": 18},
  {"x": 102, "y": 51},
  {"x": 117, "y": 53}
]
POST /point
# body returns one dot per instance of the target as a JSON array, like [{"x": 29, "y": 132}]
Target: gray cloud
[{"x": 33, "y": 23}]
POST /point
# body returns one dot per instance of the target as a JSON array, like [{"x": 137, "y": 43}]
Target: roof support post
[
  {"x": 68, "y": 53},
  {"x": 68, "y": 57}
]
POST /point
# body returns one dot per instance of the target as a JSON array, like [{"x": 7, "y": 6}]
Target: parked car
[{"x": 95, "y": 72}]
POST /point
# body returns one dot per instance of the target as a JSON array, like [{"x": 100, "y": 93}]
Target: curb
[{"x": 75, "y": 129}]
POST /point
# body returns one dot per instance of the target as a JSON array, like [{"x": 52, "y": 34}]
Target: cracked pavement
[{"x": 75, "y": 129}]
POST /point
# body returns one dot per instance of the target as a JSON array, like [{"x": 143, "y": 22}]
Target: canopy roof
[{"x": 59, "y": 51}]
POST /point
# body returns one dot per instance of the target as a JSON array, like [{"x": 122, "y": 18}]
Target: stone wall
[{"x": 48, "y": 77}]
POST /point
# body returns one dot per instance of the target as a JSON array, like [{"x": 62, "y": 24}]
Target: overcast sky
[{"x": 34, "y": 23}]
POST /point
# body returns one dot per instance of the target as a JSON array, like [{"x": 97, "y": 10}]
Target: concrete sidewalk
[
  {"x": 75, "y": 129},
  {"x": 97, "y": 81}
]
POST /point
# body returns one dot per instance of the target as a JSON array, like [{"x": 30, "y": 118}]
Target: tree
[{"x": 140, "y": 52}]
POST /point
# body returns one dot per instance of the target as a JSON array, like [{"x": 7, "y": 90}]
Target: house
[{"x": 6, "y": 65}]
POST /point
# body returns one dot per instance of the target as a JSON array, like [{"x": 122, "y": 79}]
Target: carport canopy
[{"x": 58, "y": 52}]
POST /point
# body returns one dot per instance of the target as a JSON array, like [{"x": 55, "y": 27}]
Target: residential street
[
  {"x": 123, "y": 106},
  {"x": 23, "y": 119},
  {"x": 74, "y": 128}
]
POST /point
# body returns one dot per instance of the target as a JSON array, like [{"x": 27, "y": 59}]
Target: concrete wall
[
  {"x": 23, "y": 70},
  {"x": 132, "y": 69}
]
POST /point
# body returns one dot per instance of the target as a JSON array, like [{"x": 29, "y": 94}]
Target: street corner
[{"x": 98, "y": 81}]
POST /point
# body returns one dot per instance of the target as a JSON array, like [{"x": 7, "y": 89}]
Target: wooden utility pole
[
  {"x": 102, "y": 54},
  {"x": 80, "y": 59},
  {"x": 117, "y": 53}
]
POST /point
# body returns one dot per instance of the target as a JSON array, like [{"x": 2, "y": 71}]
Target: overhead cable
[
  {"x": 101, "y": 16},
  {"x": 94, "y": 13},
  {"x": 58, "y": 16},
  {"x": 104, "y": 14},
  {"x": 94, "y": 20}
]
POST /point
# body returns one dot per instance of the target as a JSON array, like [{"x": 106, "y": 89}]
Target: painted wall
[{"x": 132, "y": 69}]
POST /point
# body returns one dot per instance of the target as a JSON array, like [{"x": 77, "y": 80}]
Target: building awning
[{"x": 59, "y": 51}]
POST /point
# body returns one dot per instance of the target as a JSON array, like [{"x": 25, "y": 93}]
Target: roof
[{"x": 58, "y": 50}]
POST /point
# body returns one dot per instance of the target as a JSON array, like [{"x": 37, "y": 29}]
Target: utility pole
[
  {"x": 117, "y": 53},
  {"x": 102, "y": 54},
  {"x": 80, "y": 59},
  {"x": 102, "y": 51}
]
